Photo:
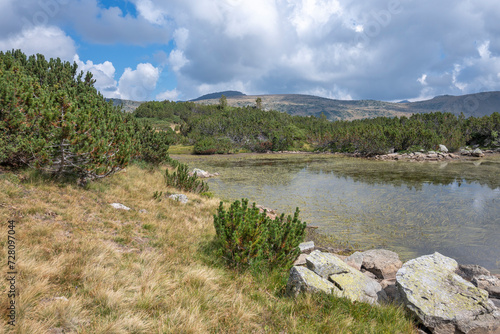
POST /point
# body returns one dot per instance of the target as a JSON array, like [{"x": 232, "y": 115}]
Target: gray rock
[
  {"x": 301, "y": 260},
  {"x": 383, "y": 263},
  {"x": 202, "y": 174},
  {"x": 478, "y": 153},
  {"x": 326, "y": 264},
  {"x": 355, "y": 260},
  {"x": 495, "y": 302},
  {"x": 306, "y": 247},
  {"x": 442, "y": 300},
  {"x": 469, "y": 271},
  {"x": 120, "y": 206},
  {"x": 443, "y": 148},
  {"x": 302, "y": 279},
  {"x": 489, "y": 283},
  {"x": 179, "y": 198},
  {"x": 352, "y": 283}
]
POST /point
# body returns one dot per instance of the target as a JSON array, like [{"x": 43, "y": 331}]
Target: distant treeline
[{"x": 223, "y": 129}]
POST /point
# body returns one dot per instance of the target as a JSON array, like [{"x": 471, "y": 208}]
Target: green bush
[
  {"x": 209, "y": 145},
  {"x": 181, "y": 180},
  {"x": 248, "y": 238}
]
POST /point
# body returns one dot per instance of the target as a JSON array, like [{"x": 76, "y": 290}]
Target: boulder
[
  {"x": 306, "y": 247},
  {"x": 355, "y": 260},
  {"x": 326, "y": 264},
  {"x": 477, "y": 153},
  {"x": 469, "y": 271},
  {"x": 351, "y": 283},
  {"x": 489, "y": 283},
  {"x": 442, "y": 300},
  {"x": 383, "y": 263},
  {"x": 443, "y": 148},
  {"x": 302, "y": 279}
]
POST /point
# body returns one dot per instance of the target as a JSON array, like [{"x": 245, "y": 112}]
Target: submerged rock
[{"x": 442, "y": 300}]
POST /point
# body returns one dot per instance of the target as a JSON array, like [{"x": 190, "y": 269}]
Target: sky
[{"x": 386, "y": 50}]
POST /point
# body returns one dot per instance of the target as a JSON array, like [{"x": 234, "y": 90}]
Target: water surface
[{"x": 408, "y": 207}]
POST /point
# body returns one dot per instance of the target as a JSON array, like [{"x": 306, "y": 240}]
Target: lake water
[{"x": 411, "y": 208}]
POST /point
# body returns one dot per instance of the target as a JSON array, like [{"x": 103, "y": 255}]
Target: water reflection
[{"x": 412, "y": 208}]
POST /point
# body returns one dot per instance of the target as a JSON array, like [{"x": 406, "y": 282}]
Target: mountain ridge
[{"x": 477, "y": 105}]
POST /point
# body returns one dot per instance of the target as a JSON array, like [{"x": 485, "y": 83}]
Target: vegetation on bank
[
  {"x": 222, "y": 129},
  {"x": 85, "y": 267}
]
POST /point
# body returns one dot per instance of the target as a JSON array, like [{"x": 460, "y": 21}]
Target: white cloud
[
  {"x": 171, "y": 95},
  {"x": 138, "y": 84},
  {"x": 151, "y": 13},
  {"x": 104, "y": 74},
  {"x": 177, "y": 60},
  {"x": 49, "y": 41}
]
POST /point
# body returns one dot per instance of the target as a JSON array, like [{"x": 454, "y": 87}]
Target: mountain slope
[{"x": 295, "y": 104}]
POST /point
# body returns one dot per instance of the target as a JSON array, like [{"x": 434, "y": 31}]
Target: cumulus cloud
[
  {"x": 49, "y": 41},
  {"x": 138, "y": 84},
  {"x": 104, "y": 75},
  {"x": 170, "y": 95},
  {"x": 378, "y": 49}
]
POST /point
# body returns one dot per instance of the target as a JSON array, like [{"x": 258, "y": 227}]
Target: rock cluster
[
  {"x": 419, "y": 156},
  {"x": 444, "y": 296}
]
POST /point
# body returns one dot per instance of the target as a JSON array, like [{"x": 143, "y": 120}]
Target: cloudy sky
[{"x": 345, "y": 49}]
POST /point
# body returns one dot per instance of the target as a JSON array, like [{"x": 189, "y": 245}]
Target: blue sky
[{"x": 345, "y": 49}]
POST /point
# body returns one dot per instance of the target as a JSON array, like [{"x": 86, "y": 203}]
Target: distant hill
[
  {"x": 477, "y": 105},
  {"x": 227, "y": 93},
  {"x": 127, "y": 105}
]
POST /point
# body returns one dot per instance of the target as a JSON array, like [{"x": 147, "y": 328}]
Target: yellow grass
[{"x": 85, "y": 267}]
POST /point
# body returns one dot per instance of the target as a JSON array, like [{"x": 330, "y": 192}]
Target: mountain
[
  {"x": 477, "y": 105},
  {"x": 127, "y": 105},
  {"x": 227, "y": 93}
]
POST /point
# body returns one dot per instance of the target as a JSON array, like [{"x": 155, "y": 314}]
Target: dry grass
[{"x": 85, "y": 267}]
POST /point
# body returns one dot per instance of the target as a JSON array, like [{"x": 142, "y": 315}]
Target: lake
[{"x": 411, "y": 208}]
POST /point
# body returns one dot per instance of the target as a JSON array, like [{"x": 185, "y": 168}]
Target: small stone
[
  {"x": 143, "y": 211},
  {"x": 119, "y": 206},
  {"x": 179, "y": 198}
]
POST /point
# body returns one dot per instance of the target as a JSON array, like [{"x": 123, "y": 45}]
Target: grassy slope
[{"x": 131, "y": 272}]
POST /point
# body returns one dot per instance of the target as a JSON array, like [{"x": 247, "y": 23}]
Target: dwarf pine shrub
[
  {"x": 248, "y": 238},
  {"x": 181, "y": 180}
]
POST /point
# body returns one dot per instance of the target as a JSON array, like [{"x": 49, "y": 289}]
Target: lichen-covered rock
[
  {"x": 326, "y": 264},
  {"x": 302, "y": 279},
  {"x": 443, "y": 148},
  {"x": 350, "y": 282},
  {"x": 383, "y": 263},
  {"x": 442, "y": 300},
  {"x": 357, "y": 287}
]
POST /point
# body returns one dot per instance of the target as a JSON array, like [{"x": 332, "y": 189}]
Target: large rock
[
  {"x": 443, "y": 148},
  {"x": 442, "y": 300},
  {"x": 302, "y": 279},
  {"x": 489, "y": 283},
  {"x": 351, "y": 283},
  {"x": 383, "y": 263},
  {"x": 469, "y": 271}
]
